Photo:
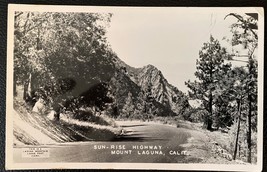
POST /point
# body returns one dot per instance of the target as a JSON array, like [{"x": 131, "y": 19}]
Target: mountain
[
  {"x": 145, "y": 91},
  {"x": 161, "y": 90}
]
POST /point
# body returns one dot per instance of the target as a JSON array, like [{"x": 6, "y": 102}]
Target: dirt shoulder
[{"x": 209, "y": 147}]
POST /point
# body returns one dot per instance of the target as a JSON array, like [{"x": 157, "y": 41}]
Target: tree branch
[
  {"x": 17, "y": 15},
  {"x": 243, "y": 21}
]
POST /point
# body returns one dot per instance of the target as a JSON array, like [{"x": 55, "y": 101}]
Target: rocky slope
[
  {"x": 151, "y": 78},
  {"x": 147, "y": 85}
]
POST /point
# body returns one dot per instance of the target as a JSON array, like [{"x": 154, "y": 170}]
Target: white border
[{"x": 159, "y": 166}]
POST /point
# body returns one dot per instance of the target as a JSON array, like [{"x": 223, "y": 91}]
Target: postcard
[{"x": 162, "y": 88}]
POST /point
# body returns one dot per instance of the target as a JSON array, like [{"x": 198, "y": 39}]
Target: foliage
[
  {"x": 128, "y": 108},
  {"x": 52, "y": 53},
  {"x": 245, "y": 33},
  {"x": 194, "y": 114},
  {"x": 211, "y": 71}
]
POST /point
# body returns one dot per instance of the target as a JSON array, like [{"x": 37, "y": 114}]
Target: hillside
[
  {"x": 161, "y": 90},
  {"x": 31, "y": 128},
  {"x": 147, "y": 85}
]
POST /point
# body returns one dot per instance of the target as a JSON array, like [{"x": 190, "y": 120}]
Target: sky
[{"x": 168, "y": 39}]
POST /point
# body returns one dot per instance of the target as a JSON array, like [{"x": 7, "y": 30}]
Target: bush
[
  {"x": 88, "y": 115},
  {"x": 194, "y": 115}
]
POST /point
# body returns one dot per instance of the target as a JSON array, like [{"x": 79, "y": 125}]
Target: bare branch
[
  {"x": 17, "y": 15},
  {"x": 243, "y": 21}
]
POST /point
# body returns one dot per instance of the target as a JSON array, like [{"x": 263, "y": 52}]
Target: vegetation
[
  {"x": 51, "y": 57},
  {"x": 64, "y": 60},
  {"x": 229, "y": 94},
  {"x": 210, "y": 72},
  {"x": 245, "y": 33}
]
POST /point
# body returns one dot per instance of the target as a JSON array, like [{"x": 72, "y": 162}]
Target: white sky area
[{"x": 167, "y": 39}]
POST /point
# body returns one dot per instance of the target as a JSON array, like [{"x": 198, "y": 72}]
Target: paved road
[{"x": 141, "y": 142}]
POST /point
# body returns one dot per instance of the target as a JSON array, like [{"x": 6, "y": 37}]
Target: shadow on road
[
  {"x": 135, "y": 138},
  {"x": 134, "y": 125}
]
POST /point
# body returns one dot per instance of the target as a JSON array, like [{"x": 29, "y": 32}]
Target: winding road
[{"x": 140, "y": 142}]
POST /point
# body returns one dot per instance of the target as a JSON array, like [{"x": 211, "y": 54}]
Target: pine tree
[
  {"x": 238, "y": 77},
  {"x": 245, "y": 33},
  {"x": 209, "y": 72}
]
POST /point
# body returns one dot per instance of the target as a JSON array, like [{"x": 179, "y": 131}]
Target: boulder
[
  {"x": 39, "y": 106},
  {"x": 51, "y": 115}
]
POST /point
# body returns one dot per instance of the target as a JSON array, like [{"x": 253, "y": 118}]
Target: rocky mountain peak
[{"x": 150, "y": 80}]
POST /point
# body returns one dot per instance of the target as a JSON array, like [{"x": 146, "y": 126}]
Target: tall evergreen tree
[
  {"x": 245, "y": 32},
  {"x": 209, "y": 72}
]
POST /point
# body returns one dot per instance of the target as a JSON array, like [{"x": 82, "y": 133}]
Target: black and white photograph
[{"x": 134, "y": 88}]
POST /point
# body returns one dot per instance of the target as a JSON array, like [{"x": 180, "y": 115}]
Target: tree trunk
[
  {"x": 56, "y": 108},
  {"x": 218, "y": 120},
  {"x": 238, "y": 128},
  {"x": 249, "y": 129},
  {"x": 15, "y": 93},
  {"x": 249, "y": 115},
  {"x": 209, "y": 119},
  {"x": 209, "y": 123},
  {"x": 56, "y": 115},
  {"x": 15, "y": 87},
  {"x": 239, "y": 150},
  {"x": 27, "y": 91}
]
